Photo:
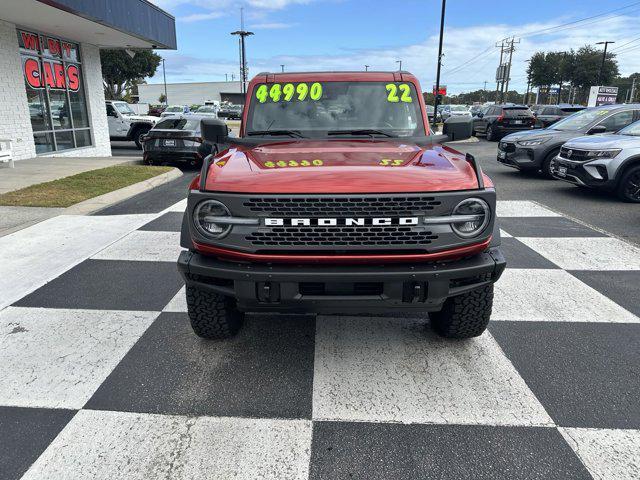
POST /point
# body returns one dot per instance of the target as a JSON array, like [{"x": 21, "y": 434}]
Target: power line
[{"x": 568, "y": 24}]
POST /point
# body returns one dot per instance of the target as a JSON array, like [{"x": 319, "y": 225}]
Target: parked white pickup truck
[{"x": 125, "y": 124}]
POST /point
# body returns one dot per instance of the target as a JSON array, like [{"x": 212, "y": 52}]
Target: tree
[
  {"x": 120, "y": 71},
  {"x": 587, "y": 67},
  {"x": 162, "y": 98}
]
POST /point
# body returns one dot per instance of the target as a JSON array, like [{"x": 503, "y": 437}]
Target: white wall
[
  {"x": 186, "y": 93},
  {"x": 15, "y": 123}
]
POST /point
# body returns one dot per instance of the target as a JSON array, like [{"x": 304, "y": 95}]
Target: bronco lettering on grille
[{"x": 334, "y": 222}]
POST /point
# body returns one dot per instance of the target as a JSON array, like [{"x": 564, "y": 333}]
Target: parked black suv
[
  {"x": 536, "y": 149},
  {"x": 547, "y": 115},
  {"x": 499, "y": 120}
]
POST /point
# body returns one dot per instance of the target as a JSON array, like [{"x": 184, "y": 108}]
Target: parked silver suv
[{"x": 610, "y": 162}]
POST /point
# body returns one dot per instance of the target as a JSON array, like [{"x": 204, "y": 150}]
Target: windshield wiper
[
  {"x": 291, "y": 133},
  {"x": 360, "y": 132}
]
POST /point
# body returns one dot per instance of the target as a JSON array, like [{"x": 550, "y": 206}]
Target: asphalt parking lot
[
  {"x": 101, "y": 376},
  {"x": 601, "y": 210}
]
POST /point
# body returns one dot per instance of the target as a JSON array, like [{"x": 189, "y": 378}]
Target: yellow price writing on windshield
[
  {"x": 398, "y": 93},
  {"x": 288, "y": 92},
  {"x": 294, "y": 163}
]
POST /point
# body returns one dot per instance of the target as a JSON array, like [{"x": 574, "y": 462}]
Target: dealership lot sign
[{"x": 602, "y": 96}]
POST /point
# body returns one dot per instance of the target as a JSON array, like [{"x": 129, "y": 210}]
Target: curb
[{"x": 98, "y": 203}]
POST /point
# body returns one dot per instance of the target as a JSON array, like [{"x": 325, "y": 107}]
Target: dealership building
[
  {"x": 192, "y": 93},
  {"x": 51, "y": 90}
]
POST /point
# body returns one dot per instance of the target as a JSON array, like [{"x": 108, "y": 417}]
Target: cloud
[
  {"x": 470, "y": 55},
  {"x": 271, "y": 26},
  {"x": 197, "y": 17}
]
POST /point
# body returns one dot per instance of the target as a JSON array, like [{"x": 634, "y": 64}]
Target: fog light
[
  {"x": 477, "y": 215},
  {"x": 205, "y": 215}
]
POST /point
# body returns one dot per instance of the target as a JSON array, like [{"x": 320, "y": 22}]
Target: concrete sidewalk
[{"x": 45, "y": 169}]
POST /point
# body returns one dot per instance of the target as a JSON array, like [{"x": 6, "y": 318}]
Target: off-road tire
[
  {"x": 137, "y": 133},
  {"x": 464, "y": 316},
  {"x": 490, "y": 134},
  {"x": 213, "y": 316},
  {"x": 545, "y": 168},
  {"x": 631, "y": 175}
]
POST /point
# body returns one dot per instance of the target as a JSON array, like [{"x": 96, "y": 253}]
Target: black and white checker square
[{"x": 111, "y": 383}]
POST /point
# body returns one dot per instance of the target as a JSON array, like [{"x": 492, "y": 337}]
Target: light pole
[
  {"x": 604, "y": 57},
  {"x": 366, "y": 68},
  {"x": 282, "y": 67},
  {"x": 399, "y": 62},
  {"x": 164, "y": 76},
  {"x": 242, "y": 33},
  {"x": 437, "y": 96}
]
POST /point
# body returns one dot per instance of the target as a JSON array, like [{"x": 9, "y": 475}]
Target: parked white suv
[
  {"x": 607, "y": 162},
  {"x": 125, "y": 124}
]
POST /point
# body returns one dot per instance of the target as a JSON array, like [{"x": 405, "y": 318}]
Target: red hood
[{"x": 340, "y": 166}]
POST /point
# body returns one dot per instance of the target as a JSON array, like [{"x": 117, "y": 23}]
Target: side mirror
[
  {"x": 214, "y": 131},
  {"x": 597, "y": 129},
  {"x": 112, "y": 113},
  {"x": 479, "y": 114}
]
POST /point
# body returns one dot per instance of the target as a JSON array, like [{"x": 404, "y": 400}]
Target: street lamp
[
  {"x": 399, "y": 62},
  {"x": 282, "y": 67},
  {"x": 164, "y": 76},
  {"x": 366, "y": 68},
  {"x": 604, "y": 57},
  {"x": 437, "y": 96}
]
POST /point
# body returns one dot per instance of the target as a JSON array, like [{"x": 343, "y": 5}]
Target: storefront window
[{"x": 55, "y": 92}]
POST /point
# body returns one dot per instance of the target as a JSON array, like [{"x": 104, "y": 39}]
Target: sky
[{"x": 311, "y": 35}]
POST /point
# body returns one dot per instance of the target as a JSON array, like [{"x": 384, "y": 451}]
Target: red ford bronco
[{"x": 336, "y": 198}]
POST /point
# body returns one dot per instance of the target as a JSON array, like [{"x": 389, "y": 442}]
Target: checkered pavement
[{"x": 102, "y": 378}]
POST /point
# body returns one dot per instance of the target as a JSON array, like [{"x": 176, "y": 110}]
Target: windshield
[
  {"x": 174, "y": 109},
  {"x": 580, "y": 120},
  {"x": 205, "y": 110},
  {"x": 124, "y": 108},
  {"x": 458, "y": 108},
  {"x": 633, "y": 130},
  {"x": 316, "y": 109},
  {"x": 178, "y": 124}
]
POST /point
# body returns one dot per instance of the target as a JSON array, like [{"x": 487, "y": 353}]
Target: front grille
[
  {"x": 574, "y": 155},
  {"x": 342, "y": 207},
  {"x": 365, "y": 236}
]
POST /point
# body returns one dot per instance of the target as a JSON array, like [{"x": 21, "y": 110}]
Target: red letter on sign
[
  {"x": 73, "y": 78},
  {"x": 54, "y": 47},
  {"x": 29, "y": 40},
  {"x": 59, "y": 72},
  {"x": 32, "y": 73},
  {"x": 48, "y": 75}
]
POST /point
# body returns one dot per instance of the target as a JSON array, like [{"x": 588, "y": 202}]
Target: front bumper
[
  {"x": 580, "y": 173},
  {"x": 341, "y": 288},
  {"x": 523, "y": 158}
]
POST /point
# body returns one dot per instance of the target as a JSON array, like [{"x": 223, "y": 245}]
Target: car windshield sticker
[
  {"x": 398, "y": 93},
  {"x": 294, "y": 163},
  {"x": 288, "y": 92}
]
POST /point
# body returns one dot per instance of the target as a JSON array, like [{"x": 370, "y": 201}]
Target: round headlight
[
  {"x": 478, "y": 215},
  {"x": 205, "y": 215}
]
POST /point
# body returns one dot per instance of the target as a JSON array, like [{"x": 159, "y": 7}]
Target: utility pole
[
  {"x": 632, "y": 95},
  {"x": 604, "y": 57},
  {"x": 436, "y": 100},
  {"x": 399, "y": 62},
  {"x": 242, "y": 33},
  {"x": 508, "y": 69},
  {"x": 164, "y": 76},
  {"x": 499, "y": 71},
  {"x": 366, "y": 68}
]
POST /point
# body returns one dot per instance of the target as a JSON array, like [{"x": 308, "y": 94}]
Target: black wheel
[
  {"x": 545, "y": 168},
  {"x": 212, "y": 316},
  {"x": 491, "y": 135},
  {"x": 137, "y": 135},
  {"x": 629, "y": 186},
  {"x": 464, "y": 316}
]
